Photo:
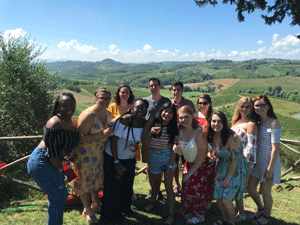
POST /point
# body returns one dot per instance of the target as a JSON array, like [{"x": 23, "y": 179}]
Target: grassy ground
[{"x": 285, "y": 210}]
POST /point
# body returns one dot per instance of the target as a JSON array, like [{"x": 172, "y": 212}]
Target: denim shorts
[{"x": 159, "y": 160}]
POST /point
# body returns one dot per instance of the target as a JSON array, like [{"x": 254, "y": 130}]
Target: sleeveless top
[
  {"x": 59, "y": 142},
  {"x": 160, "y": 142},
  {"x": 189, "y": 149}
]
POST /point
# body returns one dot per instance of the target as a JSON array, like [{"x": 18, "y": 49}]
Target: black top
[{"x": 59, "y": 142}]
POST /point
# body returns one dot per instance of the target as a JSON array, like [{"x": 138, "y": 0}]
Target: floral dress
[
  {"x": 248, "y": 142},
  {"x": 89, "y": 163},
  {"x": 239, "y": 178}
]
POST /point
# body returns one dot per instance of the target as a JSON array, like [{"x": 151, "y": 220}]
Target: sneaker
[{"x": 149, "y": 195}]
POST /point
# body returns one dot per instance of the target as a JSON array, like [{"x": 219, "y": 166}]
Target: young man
[
  {"x": 156, "y": 101},
  {"x": 179, "y": 101}
]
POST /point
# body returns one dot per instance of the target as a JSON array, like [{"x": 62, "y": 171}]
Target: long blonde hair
[{"x": 236, "y": 115}]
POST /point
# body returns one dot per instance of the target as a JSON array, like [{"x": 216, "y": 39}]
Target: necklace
[{"x": 188, "y": 135}]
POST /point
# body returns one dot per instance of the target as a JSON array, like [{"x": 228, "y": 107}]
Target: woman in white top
[
  {"x": 195, "y": 180},
  {"x": 162, "y": 131},
  {"x": 267, "y": 170},
  {"x": 119, "y": 163},
  {"x": 245, "y": 126}
]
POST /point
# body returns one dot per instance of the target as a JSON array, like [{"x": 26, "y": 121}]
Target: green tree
[
  {"x": 25, "y": 99},
  {"x": 279, "y": 9}
]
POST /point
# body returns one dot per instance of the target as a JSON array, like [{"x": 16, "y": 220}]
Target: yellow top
[{"x": 115, "y": 110}]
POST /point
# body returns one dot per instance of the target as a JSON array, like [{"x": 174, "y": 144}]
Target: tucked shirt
[{"x": 184, "y": 102}]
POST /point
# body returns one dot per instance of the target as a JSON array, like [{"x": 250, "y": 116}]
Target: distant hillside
[{"x": 114, "y": 73}]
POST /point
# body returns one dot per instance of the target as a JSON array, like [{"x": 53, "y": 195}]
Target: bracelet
[
  {"x": 61, "y": 170},
  {"x": 173, "y": 167},
  {"x": 116, "y": 161},
  {"x": 230, "y": 177},
  {"x": 190, "y": 172}
]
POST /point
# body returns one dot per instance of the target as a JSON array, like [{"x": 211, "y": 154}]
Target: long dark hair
[
  {"x": 172, "y": 129},
  {"x": 208, "y": 99},
  {"x": 55, "y": 109},
  {"x": 130, "y": 124},
  {"x": 226, "y": 132},
  {"x": 270, "y": 112},
  {"x": 117, "y": 99}
]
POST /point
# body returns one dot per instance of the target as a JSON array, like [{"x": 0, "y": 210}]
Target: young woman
[
  {"x": 93, "y": 131},
  {"x": 44, "y": 164},
  {"x": 123, "y": 101},
  {"x": 232, "y": 168},
  {"x": 162, "y": 130},
  {"x": 119, "y": 163},
  {"x": 267, "y": 170},
  {"x": 204, "y": 104},
  {"x": 244, "y": 125},
  {"x": 205, "y": 109},
  {"x": 197, "y": 170}
]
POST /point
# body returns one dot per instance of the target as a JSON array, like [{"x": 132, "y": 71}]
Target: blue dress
[{"x": 239, "y": 178}]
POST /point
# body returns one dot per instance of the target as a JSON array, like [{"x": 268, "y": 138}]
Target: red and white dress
[{"x": 197, "y": 192}]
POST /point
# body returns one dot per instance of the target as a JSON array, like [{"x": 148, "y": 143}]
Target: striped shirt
[
  {"x": 59, "y": 142},
  {"x": 160, "y": 142}
]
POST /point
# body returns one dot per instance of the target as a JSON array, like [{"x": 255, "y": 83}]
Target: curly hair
[{"x": 117, "y": 99}]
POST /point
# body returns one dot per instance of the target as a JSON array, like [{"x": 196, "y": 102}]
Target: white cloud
[
  {"x": 260, "y": 42},
  {"x": 73, "y": 45},
  {"x": 233, "y": 53},
  {"x": 287, "y": 48},
  {"x": 17, "y": 33}
]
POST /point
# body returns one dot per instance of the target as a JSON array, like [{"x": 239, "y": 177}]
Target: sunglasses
[
  {"x": 260, "y": 106},
  {"x": 102, "y": 98},
  {"x": 140, "y": 107},
  {"x": 202, "y": 103}
]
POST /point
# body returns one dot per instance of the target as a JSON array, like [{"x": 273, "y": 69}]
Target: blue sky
[{"x": 146, "y": 31}]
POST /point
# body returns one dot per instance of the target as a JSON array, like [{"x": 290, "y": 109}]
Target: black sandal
[
  {"x": 263, "y": 223},
  {"x": 255, "y": 216},
  {"x": 151, "y": 203},
  {"x": 172, "y": 220},
  {"x": 220, "y": 222}
]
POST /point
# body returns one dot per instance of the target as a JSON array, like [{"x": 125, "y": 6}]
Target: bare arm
[
  {"x": 234, "y": 143},
  {"x": 274, "y": 154},
  {"x": 85, "y": 122}
]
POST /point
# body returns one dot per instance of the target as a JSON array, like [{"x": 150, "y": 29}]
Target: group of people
[{"x": 220, "y": 162}]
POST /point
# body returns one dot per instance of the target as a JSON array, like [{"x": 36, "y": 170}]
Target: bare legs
[
  {"x": 227, "y": 210},
  {"x": 86, "y": 201},
  {"x": 265, "y": 190},
  {"x": 155, "y": 180},
  {"x": 176, "y": 176}
]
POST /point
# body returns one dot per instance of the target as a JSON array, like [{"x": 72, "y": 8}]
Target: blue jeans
[
  {"x": 51, "y": 182},
  {"x": 159, "y": 160}
]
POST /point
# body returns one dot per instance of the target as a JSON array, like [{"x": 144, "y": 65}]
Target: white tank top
[{"x": 189, "y": 149}]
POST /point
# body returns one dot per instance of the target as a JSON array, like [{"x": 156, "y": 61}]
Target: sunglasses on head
[
  {"x": 140, "y": 107},
  {"x": 202, "y": 103}
]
